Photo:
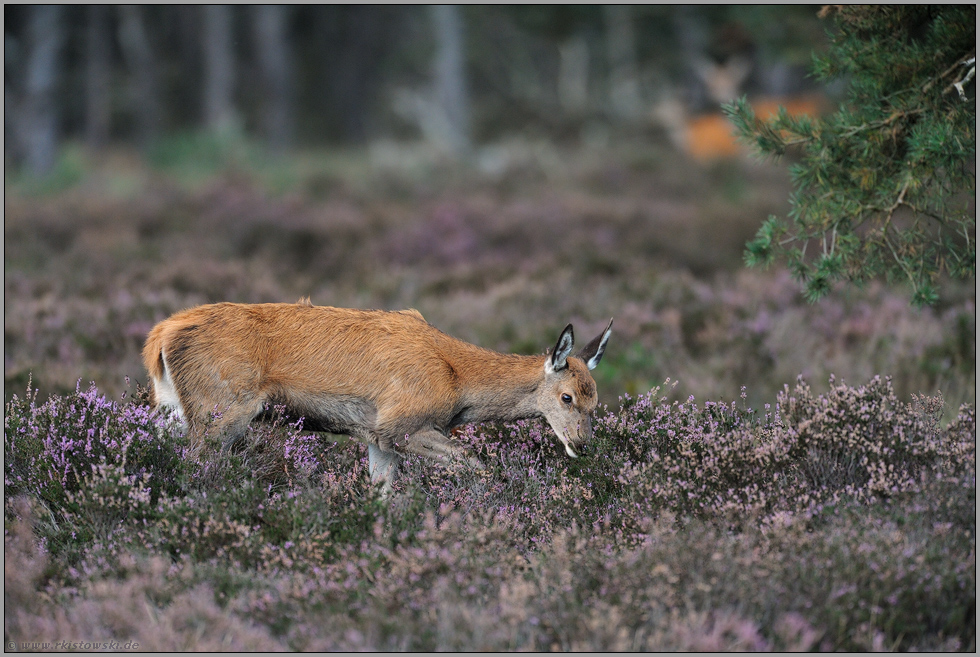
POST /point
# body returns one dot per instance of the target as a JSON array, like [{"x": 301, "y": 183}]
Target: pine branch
[
  {"x": 896, "y": 132},
  {"x": 969, "y": 58}
]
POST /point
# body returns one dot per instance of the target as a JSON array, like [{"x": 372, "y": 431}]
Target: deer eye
[{"x": 567, "y": 398}]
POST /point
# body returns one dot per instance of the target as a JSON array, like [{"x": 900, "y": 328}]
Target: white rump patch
[{"x": 166, "y": 394}]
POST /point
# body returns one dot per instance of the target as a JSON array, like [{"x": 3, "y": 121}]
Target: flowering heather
[
  {"x": 843, "y": 520},
  {"x": 836, "y": 513},
  {"x": 83, "y": 449}
]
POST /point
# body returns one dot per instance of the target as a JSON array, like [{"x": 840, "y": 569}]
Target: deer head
[{"x": 568, "y": 395}]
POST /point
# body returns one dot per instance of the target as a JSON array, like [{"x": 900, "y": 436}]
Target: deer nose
[{"x": 580, "y": 436}]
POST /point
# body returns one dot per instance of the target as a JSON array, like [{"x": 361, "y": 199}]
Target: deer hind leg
[
  {"x": 233, "y": 431},
  {"x": 235, "y": 419},
  {"x": 229, "y": 423}
]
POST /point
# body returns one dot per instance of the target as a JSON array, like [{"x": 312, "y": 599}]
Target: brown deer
[
  {"x": 710, "y": 136},
  {"x": 387, "y": 379}
]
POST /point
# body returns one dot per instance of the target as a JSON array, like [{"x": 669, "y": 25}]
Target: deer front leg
[
  {"x": 435, "y": 445},
  {"x": 383, "y": 466}
]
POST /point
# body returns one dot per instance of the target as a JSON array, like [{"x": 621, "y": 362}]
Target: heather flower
[{"x": 848, "y": 511}]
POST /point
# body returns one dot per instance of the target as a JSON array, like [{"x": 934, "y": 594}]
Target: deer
[
  {"x": 709, "y": 137},
  {"x": 387, "y": 379}
]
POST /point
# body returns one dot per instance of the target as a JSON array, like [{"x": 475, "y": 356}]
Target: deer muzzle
[{"x": 574, "y": 436}]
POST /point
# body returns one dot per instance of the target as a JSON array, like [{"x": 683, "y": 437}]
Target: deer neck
[{"x": 499, "y": 387}]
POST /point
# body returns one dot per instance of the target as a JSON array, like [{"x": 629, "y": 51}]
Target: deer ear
[
  {"x": 592, "y": 352},
  {"x": 558, "y": 360}
]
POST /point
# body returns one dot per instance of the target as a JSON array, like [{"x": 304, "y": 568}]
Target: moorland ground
[
  {"x": 502, "y": 254},
  {"x": 733, "y": 507}
]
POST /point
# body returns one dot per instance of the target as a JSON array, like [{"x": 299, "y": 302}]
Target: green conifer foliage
[{"x": 887, "y": 184}]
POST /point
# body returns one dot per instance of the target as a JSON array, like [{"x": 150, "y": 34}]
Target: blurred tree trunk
[
  {"x": 278, "y": 112},
  {"x": 353, "y": 77},
  {"x": 142, "y": 65},
  {"x": 451, "y": 96},
  {"x": 573, "y": 74},
  {"x": 97, "y": 103},
  {"x": 38, "y": 111},
  {"x": 691, "y": 30},
  {"x": 624, "y": 83},
  {"x": 219, "y": 68}
]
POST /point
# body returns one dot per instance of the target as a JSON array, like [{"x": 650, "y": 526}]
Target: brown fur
[{"x": 388, "y": 379}]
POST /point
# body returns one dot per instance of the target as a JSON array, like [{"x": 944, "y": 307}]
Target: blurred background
[
  {"x": 328, "y": 75},
  {"x": 505, "y": 170}
]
